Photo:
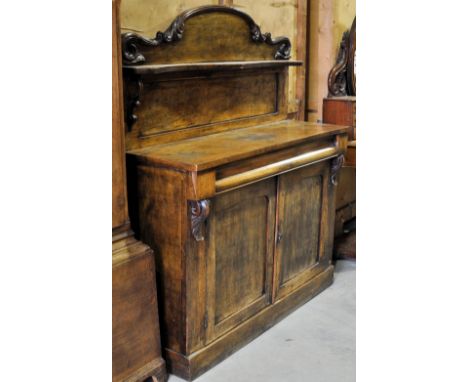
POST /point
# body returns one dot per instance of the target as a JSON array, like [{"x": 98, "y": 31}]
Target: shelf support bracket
[{"x": 134, "y": 87}]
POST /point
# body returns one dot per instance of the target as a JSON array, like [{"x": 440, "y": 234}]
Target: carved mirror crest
[{"x": 342, "y": 77}]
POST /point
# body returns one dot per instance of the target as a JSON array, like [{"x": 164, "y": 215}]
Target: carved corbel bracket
[
  {"x": 336, "y": 164},
  {"x": 134, "y": 87},
  {"x": 199, "y": 211}
]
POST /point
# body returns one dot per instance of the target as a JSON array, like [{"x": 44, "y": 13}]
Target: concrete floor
[{"x": 315, "y": 343}]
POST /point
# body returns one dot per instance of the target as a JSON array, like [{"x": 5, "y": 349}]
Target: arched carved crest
[
  {"x": 342, "y": 79},
  {"x": 137, "y": 49}
]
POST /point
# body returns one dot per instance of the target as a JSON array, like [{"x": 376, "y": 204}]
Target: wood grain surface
[
  {"x": 205, "y": 152},
  {"x": 136, "y": 344},
  {"x": 233, "y": 257}
]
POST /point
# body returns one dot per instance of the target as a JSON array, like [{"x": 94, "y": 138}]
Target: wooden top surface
[{"x": 213, "y": 150}]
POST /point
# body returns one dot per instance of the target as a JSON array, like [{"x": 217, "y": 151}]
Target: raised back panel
[
  {"x": 204, "y": 34},
  {"x": 194, "y": 102},
  {"x": 212, "y": 70}
]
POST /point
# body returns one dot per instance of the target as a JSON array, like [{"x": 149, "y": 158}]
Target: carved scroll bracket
[
  {"x": 199, "y": 211},
  {"x": 134, "y": 87},
  {"x": 336, "y": 164},
  {"x": 283, "y": 51}
]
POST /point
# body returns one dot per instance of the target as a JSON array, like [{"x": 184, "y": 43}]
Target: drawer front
[
  {"x": 341, "y": 112},
  {"x": 302, "y": 236},
  {"x": 241, "y": 231}
]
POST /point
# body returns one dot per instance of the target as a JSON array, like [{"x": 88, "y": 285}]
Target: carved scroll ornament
[
  {"x": 336, "y": 164},
  {"x": 342, "y": 79},
  {"x": 337, "y": 76},
  {"x": 131, "y": 42},
  {"x": 199, "y": 211}
]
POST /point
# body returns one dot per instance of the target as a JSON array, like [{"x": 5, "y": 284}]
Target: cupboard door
[
  {"x": 302, "y": 234},
  {"x": 241, "y": 229}
]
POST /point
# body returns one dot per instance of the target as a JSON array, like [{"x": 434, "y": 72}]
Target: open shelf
[{"x": 209, "y": 66}]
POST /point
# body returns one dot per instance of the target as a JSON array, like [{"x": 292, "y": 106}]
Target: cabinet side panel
[
  {"x": 161, "y": 197},
  {"x": 346, "y": 190}
]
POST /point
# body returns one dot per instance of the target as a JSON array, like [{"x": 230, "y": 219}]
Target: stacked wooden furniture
[
  {"x": 136, "y": 348},
  {"x": 342, "y": 111},
  {"x": 236, "y": 201},
  {"x": 340, "y": 108}
]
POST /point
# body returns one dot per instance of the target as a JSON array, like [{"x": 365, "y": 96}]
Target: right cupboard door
[{"x": 303, "y": 237}]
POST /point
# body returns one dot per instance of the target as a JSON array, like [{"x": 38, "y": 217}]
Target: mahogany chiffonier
[
  {"x": 136, "y": 345},
  {"x": 236, "y": 201}
]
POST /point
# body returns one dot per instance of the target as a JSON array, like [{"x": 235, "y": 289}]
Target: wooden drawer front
[
  {"x": 301, "y": 214},
  {"x": 354, "y": 116},
  {"x": 240, "y": 251},
  {"x": 341, "y": 111}
]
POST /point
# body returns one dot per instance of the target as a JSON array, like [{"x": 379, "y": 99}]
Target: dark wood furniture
[
  {"x": 236, "y": 201},
  {"x": 342, "y": 111},
  {"x": 136, "y": 349},
  {"x": 340, "y": 108}
]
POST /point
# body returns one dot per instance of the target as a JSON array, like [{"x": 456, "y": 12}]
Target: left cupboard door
[{"x": 241, "y": 230}]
